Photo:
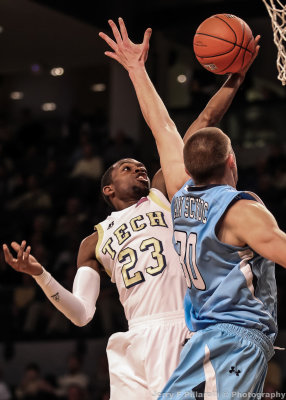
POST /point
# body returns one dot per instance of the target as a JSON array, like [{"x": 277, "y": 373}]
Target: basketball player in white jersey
[{"x": 134, "y": 246}]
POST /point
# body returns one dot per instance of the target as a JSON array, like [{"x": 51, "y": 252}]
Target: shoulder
[
  {"x": 255, "y": 196},
  {"x": 158, "y": 182},
  {"x": 244, "y": 213},
  {"x": 157, "y": 197},
  {"x": 90, "y": 240},
  {"x": 239, "y": 220},
  {"x": 86, "y": 253}
]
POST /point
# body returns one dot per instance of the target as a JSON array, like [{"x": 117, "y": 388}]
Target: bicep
[
  {"x": 86, "y": 254},
  {"x": 262, "y": 234},
  {"x": 271, "y": 245}
]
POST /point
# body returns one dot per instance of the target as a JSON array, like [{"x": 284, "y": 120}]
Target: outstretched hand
[
  {"x": 127, "y": 53},
  {"x": 241, "y": 74},
  {"x": 24, "y": 262},
  {"x": 256, "y": 51}
]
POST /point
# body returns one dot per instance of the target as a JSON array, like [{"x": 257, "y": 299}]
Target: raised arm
[
  {"x": 168, "y": 140},
  {"x": 222, "y": 99},
  {"x": 78, "y": 306}
]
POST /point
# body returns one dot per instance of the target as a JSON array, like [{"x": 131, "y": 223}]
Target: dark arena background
[{"x": 67, "y": 112}]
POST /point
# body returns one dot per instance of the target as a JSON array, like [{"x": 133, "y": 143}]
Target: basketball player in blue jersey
[
  {"x": 227, "y": 242},
  {"x": 134, "y": 245}
]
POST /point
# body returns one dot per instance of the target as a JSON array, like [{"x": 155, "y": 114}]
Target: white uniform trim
[
  {"x": 210, "y": 386},
  {"x": 154, "y": 196}
]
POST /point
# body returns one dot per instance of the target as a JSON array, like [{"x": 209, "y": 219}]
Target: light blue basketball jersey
[{"x": 226, "y": 284}]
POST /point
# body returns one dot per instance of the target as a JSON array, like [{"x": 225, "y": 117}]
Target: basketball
[{"x": 223, "y": 43}]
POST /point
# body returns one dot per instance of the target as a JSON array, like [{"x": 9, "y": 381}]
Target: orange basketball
[{"x": 223, "y": 43}]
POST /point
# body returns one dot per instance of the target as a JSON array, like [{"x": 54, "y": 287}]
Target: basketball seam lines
[
  {"x": 228, "y": 41},
  {"x": 228, "y": 26},
  {"x": 243, "y": 31},
  {"x": 245, "y": 48}
]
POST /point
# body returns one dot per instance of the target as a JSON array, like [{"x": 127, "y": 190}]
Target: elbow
[
  {"x": 84, "y": 318},
  {"x": 209, "y": 117},
  {"x": 82, "y": 321}
]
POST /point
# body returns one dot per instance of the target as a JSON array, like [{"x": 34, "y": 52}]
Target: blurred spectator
[
  {"x": 101, "y": 379},
  {"x": 33, "y": 386},
  {"x": 121, "y": 146},
  {"x": 89, "y": 165},
  {"x": 76, "y": 392},
  {"x": 109, "y": 309},
  {"x": 72, "y": 225},
  {"x": 39, "y": 234},
  {"x": 74, "y": 377},
  {"x": 34, "y": 197},
  {"x": 23, "y": 296},
  {"x": 5, "y": 392}
]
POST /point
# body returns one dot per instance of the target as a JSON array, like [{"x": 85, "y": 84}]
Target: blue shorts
[{"x": 221, "y": 362}]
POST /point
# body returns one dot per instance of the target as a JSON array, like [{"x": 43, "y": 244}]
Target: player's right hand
[
  {"x": 24, "y": 262},
  {"x": 243, "y": 72},
  {"x": 127, "y": 53}
]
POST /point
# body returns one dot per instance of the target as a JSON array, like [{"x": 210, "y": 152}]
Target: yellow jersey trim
[
  {"x": 158, "y": 201},
  {"x": 99, "y": 230}
]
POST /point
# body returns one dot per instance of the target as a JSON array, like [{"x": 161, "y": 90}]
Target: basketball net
[{"x": 277, "y": 12}]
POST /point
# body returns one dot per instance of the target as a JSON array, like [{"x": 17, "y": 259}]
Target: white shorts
[{"x": 142, "y": 359}]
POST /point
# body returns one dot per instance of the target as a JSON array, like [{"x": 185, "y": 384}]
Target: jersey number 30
[
  {"x": 186, "y": 248},
  {"x": 156, "y": 248}
]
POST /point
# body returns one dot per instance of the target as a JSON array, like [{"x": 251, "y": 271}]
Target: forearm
[
  {"x": 217, "y": 106},
  {"x": 78, "y": 306},
  {"x": 168, "y": 140},
  {"x": 152, "y": 106}
]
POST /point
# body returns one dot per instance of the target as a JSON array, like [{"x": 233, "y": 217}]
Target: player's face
[{"x": 130, "y": 180}]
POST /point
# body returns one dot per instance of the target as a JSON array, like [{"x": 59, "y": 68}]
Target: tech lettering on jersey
[
  {"x": 191, "y": 207},
  {"x": 138, "y": 223}
]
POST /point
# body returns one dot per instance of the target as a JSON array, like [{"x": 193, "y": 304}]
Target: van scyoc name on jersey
[{"x": 191, "y": 207}]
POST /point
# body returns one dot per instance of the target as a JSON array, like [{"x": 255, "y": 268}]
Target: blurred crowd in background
[{"x": 72, "y": 384}]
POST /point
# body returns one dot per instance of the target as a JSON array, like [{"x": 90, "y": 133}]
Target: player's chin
[{"x": 142, "y": 189}]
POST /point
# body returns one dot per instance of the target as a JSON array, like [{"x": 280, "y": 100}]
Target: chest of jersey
[
  {"x": 135, "y": 247},
  {"x": 140, "y": 226}
]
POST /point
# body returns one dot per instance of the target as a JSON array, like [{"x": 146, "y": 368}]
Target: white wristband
[{"x": 43, "y": 278}]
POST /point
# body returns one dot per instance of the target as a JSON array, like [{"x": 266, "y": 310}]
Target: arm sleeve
[{"x": 78, "y": 306}]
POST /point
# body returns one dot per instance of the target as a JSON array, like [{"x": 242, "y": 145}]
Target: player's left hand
[
  {"x": 255, "y": 53},
  {"x": 127, "y": 53},
  {"x": 241, "y": 74}
]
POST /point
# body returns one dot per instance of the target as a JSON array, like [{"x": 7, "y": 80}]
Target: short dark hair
[
  {"x": 205, "y": 154},
  {"x": 105, "y": 181}
]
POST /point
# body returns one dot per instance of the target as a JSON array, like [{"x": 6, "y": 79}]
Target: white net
[{"x": 277, "y": 12}]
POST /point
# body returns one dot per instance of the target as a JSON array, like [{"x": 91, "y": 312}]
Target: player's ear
[
  {"x": 231, "y": 162},
  {"x": 187, "y": 172},
  {"x": 108, "y": 190}
]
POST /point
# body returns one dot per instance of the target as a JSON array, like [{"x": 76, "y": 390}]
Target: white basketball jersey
[{"x": 135, "y": 248}]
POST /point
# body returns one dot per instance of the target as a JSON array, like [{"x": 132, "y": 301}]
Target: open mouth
[{"x": 142, "y": 178}]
